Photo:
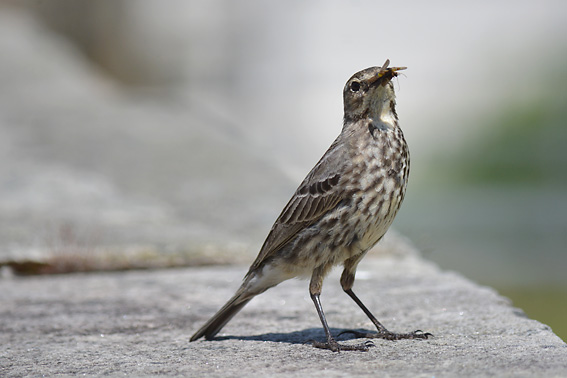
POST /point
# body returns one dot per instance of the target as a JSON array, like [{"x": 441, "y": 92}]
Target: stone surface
[{"x": 138, "y": 323}]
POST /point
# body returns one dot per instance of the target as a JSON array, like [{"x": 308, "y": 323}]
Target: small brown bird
[{"x": 341, "y": 209}]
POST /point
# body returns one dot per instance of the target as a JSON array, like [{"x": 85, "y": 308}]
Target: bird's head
[{"x": 370, "y": 93}]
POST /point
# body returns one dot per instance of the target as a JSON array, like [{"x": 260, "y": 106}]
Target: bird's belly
[
  {"x": 378, "y": 215},
  {"x": 372, "y": 235},
  {"x": 346, "y": 232}
]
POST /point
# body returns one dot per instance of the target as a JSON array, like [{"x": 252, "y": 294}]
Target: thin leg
[
  {"x": 382, "y": 333},
  {"x": 315, "y": 292},
  {"x": 347, "y": 281}
]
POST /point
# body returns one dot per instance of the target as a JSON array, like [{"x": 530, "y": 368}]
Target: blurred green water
[
  {"x": 546, "y": 304},
  {"x": 496, "y": 211},
  {"x": 512, "y": 241}
]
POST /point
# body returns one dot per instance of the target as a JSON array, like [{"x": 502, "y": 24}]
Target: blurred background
[{"x": 181, "y": 128}]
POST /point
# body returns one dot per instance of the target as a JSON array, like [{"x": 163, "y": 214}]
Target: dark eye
[{"x": 355, "y": 86}]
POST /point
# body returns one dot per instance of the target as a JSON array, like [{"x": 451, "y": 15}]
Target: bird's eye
[{"x": 355, "y": 86}]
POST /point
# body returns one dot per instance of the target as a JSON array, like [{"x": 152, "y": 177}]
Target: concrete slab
[{"x": 138, "y": 323}]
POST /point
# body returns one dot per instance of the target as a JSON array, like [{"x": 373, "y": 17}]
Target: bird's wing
[{"x": 316, "y": 195}]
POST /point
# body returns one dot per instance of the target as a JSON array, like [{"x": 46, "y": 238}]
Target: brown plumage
[{"x": 341, "y": 209}]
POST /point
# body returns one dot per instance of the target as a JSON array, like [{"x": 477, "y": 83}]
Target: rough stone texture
[{"x": 139, "y": 323}]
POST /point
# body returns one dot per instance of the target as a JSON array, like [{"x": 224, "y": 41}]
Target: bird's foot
[
  {"x": 387, "y": 335},
  {"x": 334, "y": 346}
]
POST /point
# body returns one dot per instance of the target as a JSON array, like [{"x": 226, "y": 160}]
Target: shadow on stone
[{"x": 305, "y": 336}]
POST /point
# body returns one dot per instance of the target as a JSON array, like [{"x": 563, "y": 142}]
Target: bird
[{"x": 342, "y": 208}]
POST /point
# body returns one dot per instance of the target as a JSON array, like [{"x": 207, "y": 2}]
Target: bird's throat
[
  {"x": 383, "y": 107},
  {"x": 384, "y": 117},
  {"x": 388, "y": 114}
]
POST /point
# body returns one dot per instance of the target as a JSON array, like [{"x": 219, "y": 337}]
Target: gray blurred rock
[{"x": 105, "y": 167}]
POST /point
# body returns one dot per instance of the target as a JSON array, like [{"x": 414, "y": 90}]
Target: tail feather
[
  {"x": 256, "y": 282},
  {"x": 219, "y": 320}
]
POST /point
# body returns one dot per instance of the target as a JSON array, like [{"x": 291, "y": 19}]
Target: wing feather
[{"x": 316, "y": 195}]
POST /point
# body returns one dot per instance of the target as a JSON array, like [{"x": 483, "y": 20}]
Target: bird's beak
[
  {"x": 395, "y": 69},
  {"x": 386, "y": 72}
]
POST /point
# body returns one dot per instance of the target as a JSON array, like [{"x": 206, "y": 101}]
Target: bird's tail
[{"x": 219, "y": 320}]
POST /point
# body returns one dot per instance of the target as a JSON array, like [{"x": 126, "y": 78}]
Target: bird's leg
[
  {"x": 347, "y": 281},
  {"x": 315, "y": 287},
  {"x": 382, "y": 333}
]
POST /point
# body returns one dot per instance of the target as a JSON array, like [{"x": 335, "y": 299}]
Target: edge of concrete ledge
[{"x": 138, "y": 323}]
